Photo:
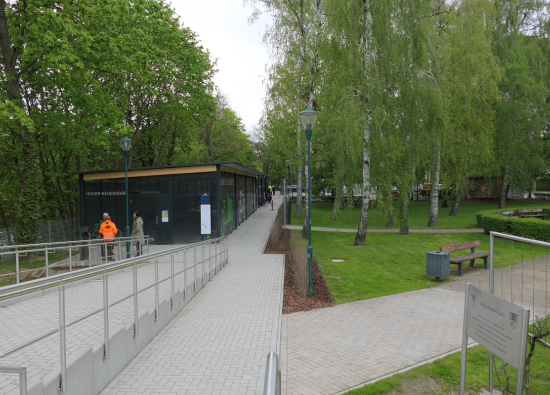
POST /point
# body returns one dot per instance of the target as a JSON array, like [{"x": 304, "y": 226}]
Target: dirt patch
[
  {"x": 292, "y": 299},
  {"x": 426, "y": 385}
]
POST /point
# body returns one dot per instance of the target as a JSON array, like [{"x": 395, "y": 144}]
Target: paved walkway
[
  {"x": 219, "y": 343},
  {"x": 226, "y": 331},
  {"x": 328, "y": 351}
]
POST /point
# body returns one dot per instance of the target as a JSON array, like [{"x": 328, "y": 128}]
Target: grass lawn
[
  {"x": 391, "y": 263},
  {"x": 418, "y": 217},
  {"x": 443, "y": 376}
]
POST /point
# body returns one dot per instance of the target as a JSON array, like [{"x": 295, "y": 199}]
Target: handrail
[
  {"x": 272, "y": 384},
  {"x": 90, "y": 245},
  {"x": 47, "y": 282},
  {"x": 26, "y": 248},
  {"x": 22, "y": 370},
  {"x": 217, "y": 257}
]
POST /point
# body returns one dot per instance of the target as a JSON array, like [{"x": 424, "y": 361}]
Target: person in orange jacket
[{"x": 108, "y": 231}]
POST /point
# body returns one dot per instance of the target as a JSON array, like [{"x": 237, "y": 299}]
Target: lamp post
[
  {"x": 288, "y": 192},
  {"x": 126, "y": 144},
  {"x": 308, "y": 118}
]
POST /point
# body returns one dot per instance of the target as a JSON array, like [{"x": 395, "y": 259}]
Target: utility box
[{"x": 438, "y": 264}]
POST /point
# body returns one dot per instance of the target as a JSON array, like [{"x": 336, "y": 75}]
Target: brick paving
[
  {"x": 219, "y": 343},
  {"x": 250, "y": 294}
]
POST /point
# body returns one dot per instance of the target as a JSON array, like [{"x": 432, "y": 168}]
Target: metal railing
[
  {"x": 527, "y": 294},
  {"x": 215, "y": 260},
  {"x": 272, "y": 384},
  {"x": 91, "y": 252},
  {"x": 22, "y": 376}
]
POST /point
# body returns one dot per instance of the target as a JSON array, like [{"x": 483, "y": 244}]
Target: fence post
[
  {"x": 17, "y": 267},
  {"x": 156, "y": 289},
  {"x": 184, "y": 274},
  {"x": 194, "y": 270},
  {"x": 202, "y": 265},
  {"x": 62, "y": 344},
  {"x": 49, "y": 231},
  {"x": 47, "y": 263},
  {"x": 105, "y": 315},
  {"x": 70, "y": 258},
  {"x": 135, "y": 301},
  {"x": 172, "y": 282}
]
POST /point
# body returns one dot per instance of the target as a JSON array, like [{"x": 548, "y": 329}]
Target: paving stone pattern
[
  {"x": 24, "y": 321},
  {"x": 219, "y": 342}
]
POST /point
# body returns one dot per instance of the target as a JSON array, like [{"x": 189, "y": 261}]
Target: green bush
[{"x": 492, "y": 220}]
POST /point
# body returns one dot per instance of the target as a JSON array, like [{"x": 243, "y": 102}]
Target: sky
[{"x": 223, "y": 28}]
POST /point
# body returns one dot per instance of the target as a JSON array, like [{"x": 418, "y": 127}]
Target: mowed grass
[
  {"x": 446, "y": 374},
  {"x": 391, "y": 263},
  {"x": 321, "y": 213}
]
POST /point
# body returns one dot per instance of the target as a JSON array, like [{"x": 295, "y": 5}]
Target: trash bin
[{"x": 438, "y": 264}]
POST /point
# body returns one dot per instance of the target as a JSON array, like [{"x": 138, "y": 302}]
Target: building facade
[{"x": 178, "y": 204}]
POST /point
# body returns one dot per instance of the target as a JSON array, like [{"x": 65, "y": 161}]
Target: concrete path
[
  {"x": 219, "y": 343},
  {"x": 332, "y": 350},
  {"x": 384, "y": 230}
]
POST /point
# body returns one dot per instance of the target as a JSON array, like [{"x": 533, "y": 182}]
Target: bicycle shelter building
[{"x": 171, "y": 199}]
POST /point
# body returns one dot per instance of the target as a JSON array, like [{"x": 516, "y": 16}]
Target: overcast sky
[{"x": 223, "y": 28}]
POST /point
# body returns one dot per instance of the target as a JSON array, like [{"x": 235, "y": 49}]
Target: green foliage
[{"x": 491, "y": 220}]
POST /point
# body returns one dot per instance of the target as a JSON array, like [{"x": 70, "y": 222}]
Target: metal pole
[
  {"x": 172, "y": 281},
  {"x": 309, "y": 248},
  {"x": 184, "y": 274},
  {"x": 523, "y": 350},
  {"x": 156, "y": 289},
  {"x": 105, "y": 315},
  {"x": 284, "y": 203},
  {"x": 202, "y": 266},
  {"x": 47, "y": 264},
  {"x": 464, "y": 348},
  {"x": 135, "y": 301},
  {"x": 194, "y": 270},
  {"x": 492, "y": 290},
  {"x": 17, "y": 267},
  {"x": 90, "y": 254},
  {"x": 70, "y": 259},
  {"x": 62, "y": 344},
  {"x": 127, "y": 207}
]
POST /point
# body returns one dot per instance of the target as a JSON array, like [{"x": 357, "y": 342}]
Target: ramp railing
[
  {"x": 213, "y": 257},
  {"x": 81, "y": 253}
]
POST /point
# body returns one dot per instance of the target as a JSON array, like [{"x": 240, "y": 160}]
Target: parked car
[{"x": 294, "y": 188}]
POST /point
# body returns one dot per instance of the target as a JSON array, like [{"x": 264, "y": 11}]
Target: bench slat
[
  {"x": 461, "y": 246},
  {"x": 469, "y": 257}
]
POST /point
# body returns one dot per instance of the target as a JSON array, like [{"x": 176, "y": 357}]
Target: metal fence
[
  {"x": 46, "y": 232},
  {"x": 79, "y": 253},
  {"x": 520, "y": 274},
  {"x": 180, "y": 262}
]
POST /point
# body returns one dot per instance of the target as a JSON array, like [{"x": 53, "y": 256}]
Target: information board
[
  {"x": 164, "y": 215},
  {"x": 206, "y": 223},
  {"x": 497, "y": 325}
]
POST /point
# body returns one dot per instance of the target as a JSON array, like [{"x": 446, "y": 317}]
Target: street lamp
[
  {"x": 289, "y": 191},
  {"x": 126, "y": 144},
  {"x": 308, "y": 118}
]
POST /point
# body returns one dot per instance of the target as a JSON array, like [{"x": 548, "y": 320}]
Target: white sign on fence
[{"x": 496, "y": 324}]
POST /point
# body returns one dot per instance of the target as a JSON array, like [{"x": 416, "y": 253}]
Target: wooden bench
[
  {"x": 532, "y": 213},
  {"x": 507, "y": 213},
  {"x": 458, "y": 260}
]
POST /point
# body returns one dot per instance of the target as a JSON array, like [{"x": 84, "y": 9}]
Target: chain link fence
[{"x": 46, "y": 232}]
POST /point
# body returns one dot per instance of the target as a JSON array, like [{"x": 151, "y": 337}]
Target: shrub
[{"x": 492, "y": 220}]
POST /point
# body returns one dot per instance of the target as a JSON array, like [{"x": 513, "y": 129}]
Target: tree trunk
[
  {"x": 434, "y": 193},
  {"x": 504, "y": 191},
  {"x": 368, "y": 58},
  {"x": 454, "y": 209},
  {"x": 389, "y": 224},
  {"x": 445, "y": 202},
  {"x": 404, "y": 228},
  {"x": 336, "y": 206}
]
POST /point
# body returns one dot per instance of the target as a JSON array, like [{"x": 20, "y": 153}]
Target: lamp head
[
  {"x": 308, "y": 118},
  {"x": 125, "y": 144}
]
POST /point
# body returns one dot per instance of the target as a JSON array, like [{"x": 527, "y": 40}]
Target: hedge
[{"x": 492, "y": 220}]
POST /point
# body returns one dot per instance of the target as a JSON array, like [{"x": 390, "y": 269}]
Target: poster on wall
[
  {"x": 206, "y": 223},
  {"x": 164, "y": 215}
]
